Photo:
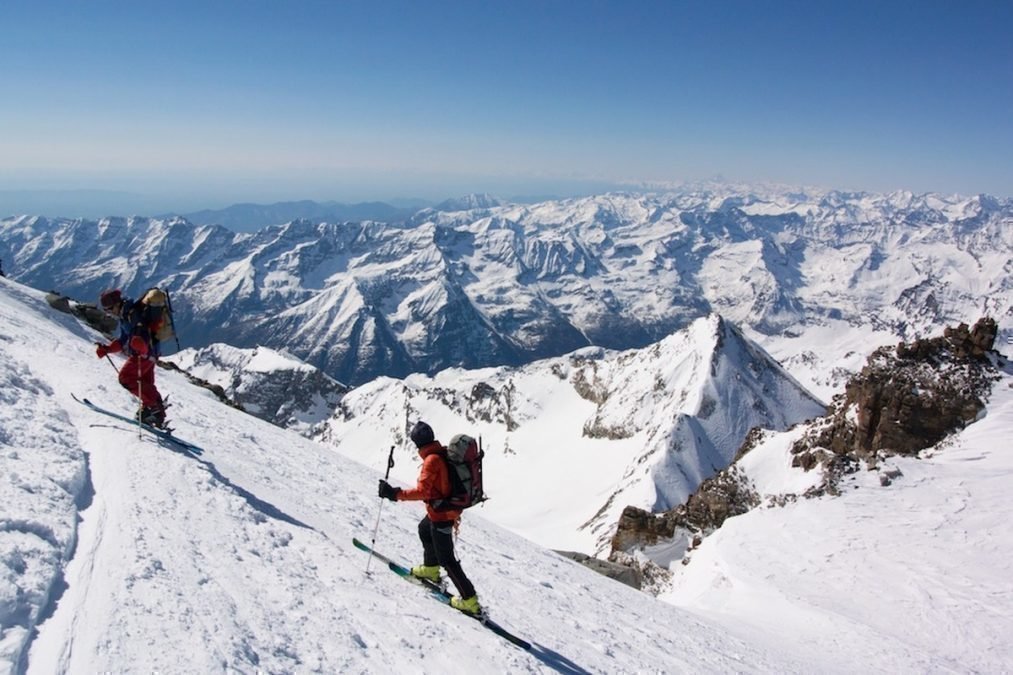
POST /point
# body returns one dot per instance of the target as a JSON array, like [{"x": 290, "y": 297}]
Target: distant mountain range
[
  {"x": 252, "y": 217},
  {"x": 483, "y": 283}
]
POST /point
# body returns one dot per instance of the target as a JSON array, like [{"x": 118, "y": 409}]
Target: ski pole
[
  {"x": 140, "y": 412},
  {"x": 109, "y": 358},
  {"x": 372, "y": 544}
]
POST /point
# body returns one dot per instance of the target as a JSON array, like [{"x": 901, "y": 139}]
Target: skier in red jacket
[
  {"x": 139, "y": 323},
  {"x": 436, "y": 530}
]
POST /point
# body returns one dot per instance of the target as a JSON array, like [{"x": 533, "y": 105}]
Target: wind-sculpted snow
[
  {"x": 502, "y": 284},
  {"x": 44, "y": 480}
]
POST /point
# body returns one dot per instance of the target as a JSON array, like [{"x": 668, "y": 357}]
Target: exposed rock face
[
  {"x": 905, "y": 400},
  {"x": 268, "y": 384},
  {"x": 89, "y": 314},
  {"x": 727, "y": 494},
  {"x": 626, "y": 574},
  {"x": 908, "y": 398}
]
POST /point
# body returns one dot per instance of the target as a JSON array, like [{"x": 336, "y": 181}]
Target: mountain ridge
[
  {"x": 657, "y": 420},
  {"x": 508, "y": 284}
]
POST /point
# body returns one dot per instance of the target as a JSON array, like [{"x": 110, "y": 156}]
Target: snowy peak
[
  {"x": 690, "y": 400},
  {"x": 469, "y": 203},
  {"x": 706, "y": 364},
  {"x": 644, "y": 426}
]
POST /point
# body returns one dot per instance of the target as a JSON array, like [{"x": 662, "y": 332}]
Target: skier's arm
[{"x": 428, "y": 486}]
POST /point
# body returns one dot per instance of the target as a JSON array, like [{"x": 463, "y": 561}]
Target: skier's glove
[
  {"x": 138, "y": 346},
  {"x": 101, "y": 350},
  {"x": 388, "y": 491}
]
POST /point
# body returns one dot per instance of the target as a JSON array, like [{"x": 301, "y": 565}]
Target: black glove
[{"x": 388, "y": 491}]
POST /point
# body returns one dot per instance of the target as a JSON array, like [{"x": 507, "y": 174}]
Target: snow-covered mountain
[
  {"x": 269, "y": 384},
  {"x": 119, "y": 553},
  {"x": 509, "y": 284},
  {"x": 469, "y": 203},
  {"x": 920, "y": 525},
  {"x": 592, "y": 432}
]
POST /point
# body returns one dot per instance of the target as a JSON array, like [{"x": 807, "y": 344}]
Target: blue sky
[{"x": 205, "y": 103}]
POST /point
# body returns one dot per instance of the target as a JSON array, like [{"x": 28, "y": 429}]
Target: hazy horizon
[{"x": 197, "y": 105}]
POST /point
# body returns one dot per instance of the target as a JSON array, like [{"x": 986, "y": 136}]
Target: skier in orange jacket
[{"x": 436, "y": 530}]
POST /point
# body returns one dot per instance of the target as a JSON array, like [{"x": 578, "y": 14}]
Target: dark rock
[
  {"x": 90, "y": 314},
  {"x": 907, "y": 399},
  {"x": 628, "y": 574},
  {"x": 727, "y": 494}
]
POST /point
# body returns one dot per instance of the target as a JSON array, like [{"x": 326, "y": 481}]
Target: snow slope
[
  {"x": 120, "y": 554},
  {"x": 918, "y": 572},
  {"x": 128, "y": 556}
]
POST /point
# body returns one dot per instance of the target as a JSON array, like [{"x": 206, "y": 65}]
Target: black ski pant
[{"x": 438, "y": 547}]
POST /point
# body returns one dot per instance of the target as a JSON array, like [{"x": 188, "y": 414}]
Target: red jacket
[{"x": 434, "y": 483}]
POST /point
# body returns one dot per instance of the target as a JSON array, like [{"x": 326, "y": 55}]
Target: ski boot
[
  {"x": 153, "y": 416},
  {"x": 427, "y": 573},
  {"x": 467, "y": 605}
]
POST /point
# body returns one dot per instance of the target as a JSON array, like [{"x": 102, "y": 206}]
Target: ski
[
  {"x": 160, "y": 433},
  {"x": 440, "y": 594}
]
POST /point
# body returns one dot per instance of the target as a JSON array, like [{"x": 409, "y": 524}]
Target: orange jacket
[{"x": 434, "y": 483}]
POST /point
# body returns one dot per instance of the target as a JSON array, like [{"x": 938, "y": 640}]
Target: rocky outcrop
[
  {"x": 907, "y": 398},
  {"x": 89, "y": 314},
  {"x": 727, "y": 494},
  {"x": 631, "y": 575}
]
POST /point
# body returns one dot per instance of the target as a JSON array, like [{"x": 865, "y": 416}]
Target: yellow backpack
[{"x": 156, "y": 297}]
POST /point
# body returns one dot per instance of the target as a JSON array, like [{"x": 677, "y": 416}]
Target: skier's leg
[
  {"x": 443, "y": 538},
  {"x": 150, "y": 398},
  {"x": 429, "y": 557},
  {"x": 129, "y": 376}
]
